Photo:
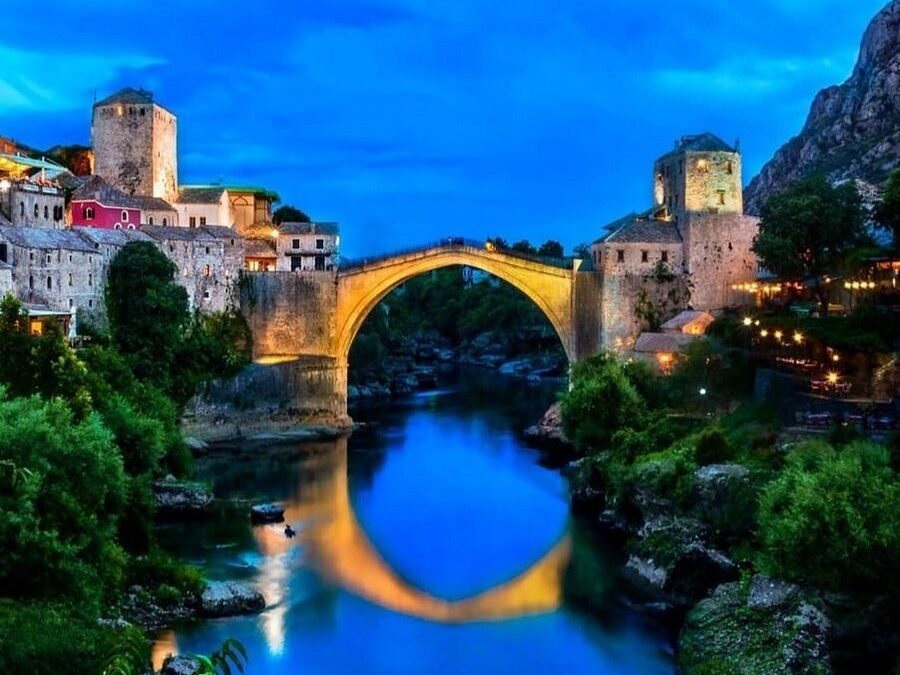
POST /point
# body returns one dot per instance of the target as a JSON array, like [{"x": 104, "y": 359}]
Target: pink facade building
[{"x": 96, "y": 203}]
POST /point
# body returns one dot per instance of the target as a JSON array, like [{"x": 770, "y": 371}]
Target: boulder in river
[
  {"x": 181, "y": 665},
  {"x": 229, "y": 598},
  {"x": 763, "y": 626},
  {"x": 266, "y": 513},
  {"x": 548, "y": 432},
  {"x": 174, "y": 498}
]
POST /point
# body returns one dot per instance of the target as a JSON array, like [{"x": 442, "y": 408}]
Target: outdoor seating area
[{"x": 862, "y": 421}]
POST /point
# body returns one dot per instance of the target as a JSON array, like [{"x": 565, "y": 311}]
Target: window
[
  {"x": 192, "y": 221},
  {"x": 207, "y": 250},
  {"x": 143, "y": 110},
  {"x": 664, "y": 256},
  {"x": 320, "y": 244},
  {"x": 296, "y": 263},
  {"x": 70, "y": 278},
  {"x": 49, "y": 283},
  {"x": 89, "y": 213},
  {"x": 31, "y": 282},
  {"x": 22, "y": 209},
  {"x": 46, "y": 212},
  {"x": 729, "y": 167},
  {"x": 320, "y": 262},
  {"x": 49, "y": 258},
  {"x": 130, "y": 226},
  {"x": 165, "y": 221},
  {"x": 620, "y": 255},
  {"x": 202, "y": 220},
  {"x": 70, "y": 257},
  {"x": 90, "y": 279},
  {"x": 31, "y": 256},
  {"x": 124, "y": 216},
  {"x": 232, "y": 242},
  {"x": 171, "y": 248},
  {"x": 720, "y": 197},
  {"x": 206, "y": 295},
  {"x": 295, "y": 244},
  {"x": 70, "y": 303},
  {"x": 90, "y": 303},
  {"x": 645, "y": 256},
  {"x": 150, "y": 220},
  {"x": 703, "y": 165},
  {"x": 207, "y": 270},
  {"x": 4, "y": 252},
  {"x": 36, "y": 211}
]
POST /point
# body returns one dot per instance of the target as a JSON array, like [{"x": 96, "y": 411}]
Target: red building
[{"x": 96, "y": 203}]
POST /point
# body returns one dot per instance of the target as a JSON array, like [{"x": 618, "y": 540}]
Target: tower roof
[
  {"x": 705, "y": 142},
  {"x": 130, "y": 95}
]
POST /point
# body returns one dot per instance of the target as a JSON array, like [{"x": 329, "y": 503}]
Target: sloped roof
[
  {"x": 687, "y": 320},
  {"x": 259, "y": 248},
  {"x": 100, "y": 235},
  {"x": 705, "y": 142},
  {"x": 200, "y": 195},
  {"x": 47, "y": 239},
  {"x": 308, "y": 228},
  {"x": 220, "y": 231},
  {"x": 641, "y": 229},
  {"x": 205, "y": 232},
  {"x": 656, "y": 343},
  {"x": 95, "y": 188},
  {"x": 127, "y": 95}
]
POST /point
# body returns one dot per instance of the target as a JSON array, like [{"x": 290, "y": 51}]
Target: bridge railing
[{"x": 453, "y": 243}]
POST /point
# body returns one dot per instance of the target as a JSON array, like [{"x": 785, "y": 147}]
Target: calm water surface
[{"x": 433, "y": 542}]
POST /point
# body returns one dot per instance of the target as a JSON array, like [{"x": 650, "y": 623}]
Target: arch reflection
[{"x": 332, "y": 541}]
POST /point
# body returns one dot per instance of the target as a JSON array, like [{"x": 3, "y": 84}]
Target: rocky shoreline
[{"x": 722, "y": 612}]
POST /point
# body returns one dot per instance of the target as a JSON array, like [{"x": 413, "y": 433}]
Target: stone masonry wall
[
  {"x": 718, "y": 254},
  {"x": 290, "y": 313},
  {"x": 621, "y": 296},
  {"x": 19, "y": 204},
  {"x": 164, "y": 153}
]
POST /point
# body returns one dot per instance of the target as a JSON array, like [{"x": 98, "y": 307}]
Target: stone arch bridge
[{"x": 306, "y": 321}]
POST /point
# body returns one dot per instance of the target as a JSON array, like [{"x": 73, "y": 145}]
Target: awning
[{"x": 19, "y": 164}]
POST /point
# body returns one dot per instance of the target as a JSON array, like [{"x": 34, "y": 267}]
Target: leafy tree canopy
[
  {"x": 887, "y": 213},
  {"x": 290, "y": 214}
]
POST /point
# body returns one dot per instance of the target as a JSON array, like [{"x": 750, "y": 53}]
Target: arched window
[
  {"x": 124, "y": 216},
  {"x": 46, "y": 212},
  {"x": 36, "y": 211},
  {"x": 118, "y": 226},
  {"x": 150, "y": 220},
  {"x": 165, "y": 221},
  {"x": 49, "y": 283},
  {"x": 130, "y": 226}
]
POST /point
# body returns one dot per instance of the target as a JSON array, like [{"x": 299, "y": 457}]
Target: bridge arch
[{"x": 360, "y": 289}]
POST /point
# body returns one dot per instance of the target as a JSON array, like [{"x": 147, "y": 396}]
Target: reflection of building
[{"x": 307, "y": 246}]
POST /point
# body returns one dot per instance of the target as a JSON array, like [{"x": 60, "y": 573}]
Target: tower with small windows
[
  {"x": 701, "y": 175},
  {"x": 135, "y": 144}
]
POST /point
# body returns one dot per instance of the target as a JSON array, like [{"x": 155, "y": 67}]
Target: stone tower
[
  {"x": 701, "y": 175},
  {"x": 135, "y": 144}
]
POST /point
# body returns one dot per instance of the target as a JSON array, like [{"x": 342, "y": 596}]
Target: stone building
[
  {"x": 259, "y": 255},
  {"x": 198, "y": 206},
  {"x": 61, "y": 270},
  {"x": 684, "y": 252},
  {"x": 32, "y": 202},
  {"x": 251, "y": 208},
  {"x": 135, "y": 144},
  {"x": 307, "y": 247},
  {"x": 209, "y": 260}
]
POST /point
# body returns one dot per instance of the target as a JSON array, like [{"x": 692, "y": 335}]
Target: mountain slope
[{"x": 853, "y": 129}]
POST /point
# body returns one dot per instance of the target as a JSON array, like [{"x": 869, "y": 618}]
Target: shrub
[
  {"x": 600, "y": 402},
  {"x": 829, "y": 518},
  {"x": 713, "y": 447},
  {"x": 49, "y": 639}
]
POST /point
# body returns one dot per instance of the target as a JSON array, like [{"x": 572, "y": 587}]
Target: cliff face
[{"x": 853, "y": 129}]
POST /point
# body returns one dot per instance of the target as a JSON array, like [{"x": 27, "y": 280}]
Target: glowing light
[
  {"x": 836, "y": 358},
  {"x": 5, "y": 185},
  {"x": 703, "y": 391},
  {"x": 798, "y": 338},
  {"x": 778, "y": 335},
  {"x": 748, "y": 321},
  {"x": 764, "y": 333},
  {"x": 833, "y": 378}
]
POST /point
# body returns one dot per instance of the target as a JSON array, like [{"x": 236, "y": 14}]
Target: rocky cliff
[{"x": 853, "y": 129}]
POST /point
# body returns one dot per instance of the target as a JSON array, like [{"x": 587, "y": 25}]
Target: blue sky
[{"x": 411, "y": 120}]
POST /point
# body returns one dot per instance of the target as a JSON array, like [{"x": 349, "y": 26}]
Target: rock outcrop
[
  {"x": 853, "y": 129},
  {"x": 181, "y": 665},
  {"x": 548, "y": 433},
  {"x": 174, "y": 498},
  {"x": 229, "y": 598},
  {"x": 765, "y": 627}
]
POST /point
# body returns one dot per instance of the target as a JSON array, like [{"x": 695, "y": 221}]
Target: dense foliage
[
  {"x": 809, "y": 230},
  {"x": 289, "y": 214},
  {"x": 887, "y": 214},
  {"x": 83, "y": 434}
]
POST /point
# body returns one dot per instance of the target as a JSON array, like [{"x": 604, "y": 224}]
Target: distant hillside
[
  {"x": 853, "y": 129},
  {"x": 78, "y": 159}
]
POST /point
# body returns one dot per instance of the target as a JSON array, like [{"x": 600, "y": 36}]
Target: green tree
[
  {"x": 524, "y": 246},
  {"x": 551, "y": 249},
  {"x": 829, "y": 518},
  {"x": 600, "y": 402},
  {"x": 808, "y": 230},
  {"x": 16, "y": 372},
  {"x": 147, "y": 310},
  {"x": 290, "y": 214},
  {"x": 887, "y": 213}
]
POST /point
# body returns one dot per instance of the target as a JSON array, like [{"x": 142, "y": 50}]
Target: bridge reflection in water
[{"x": 331, "y": 541}]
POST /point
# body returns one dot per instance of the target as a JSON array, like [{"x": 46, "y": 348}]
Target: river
[{"x": 433, "y": 541}]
